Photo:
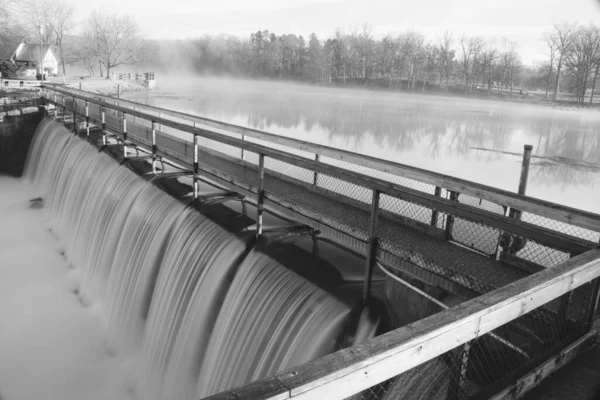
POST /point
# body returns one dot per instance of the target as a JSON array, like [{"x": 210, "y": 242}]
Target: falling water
[
  {"x": 272, "y": 319},
  {"x": 136, "y": 263},
  {"x": 203, "y": 314},
  {"x": 194, "y": 276}
]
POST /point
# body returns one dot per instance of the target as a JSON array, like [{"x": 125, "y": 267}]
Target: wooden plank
[
  {"x": 354, "y": 369},
  {"x": 532, "y": 205},
  {"x": 535, "y": 377},
  {"x": 270, "y": 388}
]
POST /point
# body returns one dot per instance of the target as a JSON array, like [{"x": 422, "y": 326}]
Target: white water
[{"x": 161, "y": 310}]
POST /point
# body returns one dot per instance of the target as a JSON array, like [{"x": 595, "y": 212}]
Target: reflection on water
[{"x": 476, "y": 140}]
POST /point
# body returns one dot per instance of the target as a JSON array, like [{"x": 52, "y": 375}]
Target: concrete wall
[{"x": 16, "y": 133}]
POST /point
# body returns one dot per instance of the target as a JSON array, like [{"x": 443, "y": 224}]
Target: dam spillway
[{"x": 140, "y": 294}]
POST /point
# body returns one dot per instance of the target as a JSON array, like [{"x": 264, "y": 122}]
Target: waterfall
[
  {"x": 135, "y": 265},
  {"x": 199, "y": 309},
  {"x": 272, "y": 319},
  {"x": 192, "y": 283}
]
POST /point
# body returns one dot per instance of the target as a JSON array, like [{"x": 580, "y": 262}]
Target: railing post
[
  {"x": 55, "y": 107},
  {"x": 103, "y": 114},
  {"x": 459, "y": 376},
  {"x": 260, "y": 198},
  {"x": 74, "y": 117},
  {"x": 527, "y": 149},
  {"x": 371, "y": 251},
  {"x": 124, "y": 123},
  {"x": 64, "y": 106},
  {"x": 242, "y": 152},
  {"x": 435, "y": 213},
  {"x": 196, "y": 182},
  {"x": 450, "y": 217},
  {"x": 153, "y": 147},
  {"x": 118, "y": 91},
  {"x": 87, "y": 118},
  {"x": 316, "y": 175},
  {"x": 594, "y": 298}
]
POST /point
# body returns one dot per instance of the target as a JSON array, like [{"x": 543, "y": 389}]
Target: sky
[{"x": 523, "y": 21}]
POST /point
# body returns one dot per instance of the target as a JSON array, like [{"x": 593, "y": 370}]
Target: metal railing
[{"x": 448, "y": 232}]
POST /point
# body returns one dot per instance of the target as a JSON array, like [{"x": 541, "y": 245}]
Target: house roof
[
  {"x": 31, "y": 52},
  {"x": 7, "y": 48}
]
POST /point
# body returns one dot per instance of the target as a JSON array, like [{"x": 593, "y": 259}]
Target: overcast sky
[{"x": 523, "y": 21}]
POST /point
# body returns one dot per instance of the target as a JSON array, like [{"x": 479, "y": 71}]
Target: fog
[
  {"x": 479, "y": 140},
  {"x": 52, "y": 346}
]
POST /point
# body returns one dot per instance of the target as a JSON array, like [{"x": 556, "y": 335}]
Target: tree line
[
  {"x": 398, "y": 61},
  {"x": 405, "y": 61}
]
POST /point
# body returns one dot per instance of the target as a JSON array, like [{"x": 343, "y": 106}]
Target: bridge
[{"x": 525, "y": 269}]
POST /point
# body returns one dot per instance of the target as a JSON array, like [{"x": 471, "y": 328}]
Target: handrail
[
  {"x": 580, "y": 218},
  {"x": 554, "y": 239},
  {"x": 349, "y": 371}
]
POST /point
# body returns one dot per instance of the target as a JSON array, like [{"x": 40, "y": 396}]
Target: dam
[{"x": 240, "y": 264}]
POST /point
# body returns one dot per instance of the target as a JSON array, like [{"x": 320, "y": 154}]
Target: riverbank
[{"x": 103, "y": 86}]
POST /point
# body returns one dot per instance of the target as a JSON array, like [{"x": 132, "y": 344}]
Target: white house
[{"x": 31, "y": 54}]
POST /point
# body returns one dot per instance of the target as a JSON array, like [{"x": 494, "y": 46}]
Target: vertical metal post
[
  {"x": 460, "y": 372},
  {"x": 450, "y": 217},
  {"x": 87, "y": 118},
  {"x": 64, "y": 106},
  {"x": 196, "y": 182},
  {"x": 74, "y": 117},
  {"x": 371, "y": 251},
  {"x": 260, "y": 199},
  {"x": 103, "y": 114},
  {"x": 153, "y": 147},
  {"x": 79, "y": 85},
  {"x": 55, "y": 107},
  {"x": 435, "y": 213},
  {"x": 524, "y": 177},
  {"x": 124, "y": 122},
  {"x": 594, "y": 298},
  {"x": 316, "y": 175},
  {"x": 242, "y": 152},
  {"x": 119, "y": 91}
]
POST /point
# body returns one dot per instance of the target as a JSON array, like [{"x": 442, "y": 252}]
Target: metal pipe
[
  {"x": 435, "y": 213},
  {"x": 74, "y": 117},
  {"x": 196, "y": 183},
  {"x": 55, "y": 107},
  {"x": 124, "y": 122},
  {"x": 242, "y": 152},
  {"x": 450, "y": 217},
  {"x": 444, "y": 306},
  {"x": 260, "y": 199},
  {"x": 87, "y": 117},
  {"x": 371, "y": 259},
  {"x": 316, "y": 175},
  {"x": 103, "y": 113},
  {"x": 153, "y": 147}
]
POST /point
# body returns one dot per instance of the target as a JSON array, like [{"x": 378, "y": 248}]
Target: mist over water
[{"x": 479, "y": 140}]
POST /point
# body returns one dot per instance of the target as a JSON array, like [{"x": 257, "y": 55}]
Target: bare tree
[
  {"x": 551, "y": 42},
  {"x": 469, "y": 48},
  {"x": 116, "y": 40},
  {"x": 563, "y": 34},
  {"x": 61, "y": 22},
  {"x": 445, "y": 57}
]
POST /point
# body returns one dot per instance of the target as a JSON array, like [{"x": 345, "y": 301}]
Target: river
[{"x": 478, "y": 140}]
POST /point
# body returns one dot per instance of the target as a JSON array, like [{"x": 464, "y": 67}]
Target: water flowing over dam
[
  {"x": 204, "y": 313},
  {"x": 215, "y": 261}
]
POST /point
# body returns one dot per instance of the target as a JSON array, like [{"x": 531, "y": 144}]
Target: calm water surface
[{"x": 477, "y": 140}]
